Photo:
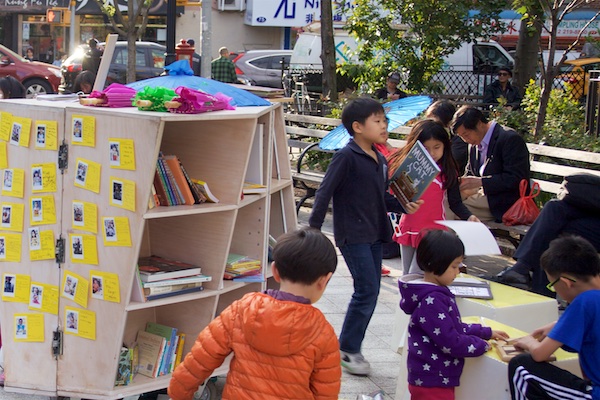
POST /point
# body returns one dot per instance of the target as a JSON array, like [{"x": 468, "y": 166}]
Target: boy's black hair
[
  {"x": 441, "y": 110},
  {"x": 437, "y": 249},
  {"x": 571, "y": 255},
  {"x": 467, "y": 116},
  {"x": 304, "y": 255},
  {"x": 358, "y": 110}
]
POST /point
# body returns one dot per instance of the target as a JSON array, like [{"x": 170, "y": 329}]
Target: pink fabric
[
  {"x": 196, "y": 101},
  {"x": 431, "y": 210},
  {"x": 383, "y": 149},
  {"x": 430, "y": 393}
]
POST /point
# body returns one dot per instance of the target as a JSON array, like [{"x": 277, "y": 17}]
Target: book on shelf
[
  {"x": 155, "y": 268},
  {"x": 169, "y": 334},
  {"x": 253, "y": 188},
  {"x": 179, "y": 353},
  {"x": 160, "y": 188},
  {"x": 203, "y": 187},
  {"x": 177, "y": 293},
  {"x": 169, "y": 288},
  {"x": 471, "y": 287},
  {"x": 124, "y": 368},
  {"x": 239, "y": 265},
  {"x": 414, "y": 175},
  {"x": 175, "y": 167},
  {"x": 162, "y": 172},
  {"x": 178, "y": 281},
  {"x": 198, "y": 195},
  {"x": 176, "y": 190},
  {"x": 150, "y": 351}
]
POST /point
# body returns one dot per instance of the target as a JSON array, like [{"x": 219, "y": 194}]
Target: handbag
[
  {"x": 524, "y": 211},
  {"x": 581, "y": 191}
]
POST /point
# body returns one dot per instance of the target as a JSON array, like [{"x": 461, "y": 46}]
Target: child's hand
[
  {"x": 499, "y": 335},
  {"x": 413, "y": 206},
  {"x": 526, "y": 342},
  {"x": 473, "y": 218},
  {"x": 541, "y": 333}
]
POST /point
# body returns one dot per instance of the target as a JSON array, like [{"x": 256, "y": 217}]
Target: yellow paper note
[
  {"x": 85, "y": 216},
  {"x": 13, "y": 182},
  {"x": 43, "y": 211},
  {"x": 121, "y": 154},
  {"x": 10, "y": 247},
  {"x": 75, "y": 287},
  {"x": 83, "y": 130},
  {"x": 83, "y": 249},
  {"x": 3, "y": 156},
  {"x": 21, "y": 130},
  {"x": 88, "y": 175},
  {"x": 80, "y": 322},
  {"x": 41, "y": 244},
  {"x": 12, "y": 217},
  {"x": 46, "y": 135},
  {"x": 122, "y": 193},
  {"x": 5, "y": 125},
  {"x": 116, "y": 232},
  {"x": 44, "y": 297},
  {"x": 16, "y": 288},
  {"x": 29, "y": 327},
  {"x": 105, "y": 286},
  {"x": 43, "y": 177}
]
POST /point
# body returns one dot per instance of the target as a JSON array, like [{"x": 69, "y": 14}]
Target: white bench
[{"x": 486, "y": 377}]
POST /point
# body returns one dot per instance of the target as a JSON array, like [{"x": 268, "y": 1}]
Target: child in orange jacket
[{"x": 283, "y": 347}]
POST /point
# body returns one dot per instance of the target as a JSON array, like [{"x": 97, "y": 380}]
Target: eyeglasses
[
  {"x": 550, "y": 286},
  {"x": 503, "y": 74}
]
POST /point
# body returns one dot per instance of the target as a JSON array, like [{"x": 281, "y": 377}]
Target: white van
[{"x": 464, "y": 72}]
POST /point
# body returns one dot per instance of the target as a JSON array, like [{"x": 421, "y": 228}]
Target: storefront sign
[
  {"x": 31, "y": 5},
  {"x": 83, "y": 6},
  {"x": 292, "y": 13}
]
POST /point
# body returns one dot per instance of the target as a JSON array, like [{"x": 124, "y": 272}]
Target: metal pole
[
  {"x": 170, "y": 56},
  {"x": 72, "y": 28},
  {"x": 206, "y": 37}
]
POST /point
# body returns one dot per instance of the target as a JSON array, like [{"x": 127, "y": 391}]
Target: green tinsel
[{"x": 157, "y": 95}]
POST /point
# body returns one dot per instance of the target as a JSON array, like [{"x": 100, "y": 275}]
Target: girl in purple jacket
[{"x": 438, "y": 339}]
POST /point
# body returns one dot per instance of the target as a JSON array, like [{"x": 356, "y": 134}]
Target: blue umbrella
[
  {"x": 398, "y": 113},
  {"x": 181, "y": 74}
]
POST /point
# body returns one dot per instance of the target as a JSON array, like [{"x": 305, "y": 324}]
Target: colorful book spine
[
  {"x": 165, "y": 181},
  {"x": 179, "y": 354},
  {"x": 177, "y": 293}
]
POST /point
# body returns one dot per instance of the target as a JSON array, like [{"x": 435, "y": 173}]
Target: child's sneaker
[
  {"x": 355, "y": 363},
  {"x": 385, "y": 271}
]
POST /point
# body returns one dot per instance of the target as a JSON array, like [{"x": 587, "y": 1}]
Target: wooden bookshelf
[{"x": 214, "y": 147}]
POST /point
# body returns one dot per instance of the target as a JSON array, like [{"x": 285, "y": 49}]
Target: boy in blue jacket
[{"x": 357, "y": 180}]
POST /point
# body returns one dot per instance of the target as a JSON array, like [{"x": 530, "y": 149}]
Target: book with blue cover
[{"x": 414, "y": 175}]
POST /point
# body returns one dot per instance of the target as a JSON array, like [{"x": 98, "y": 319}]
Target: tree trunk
[
  {"x": 548, "y": 77},
  {"x": 328, "y": 52},
  {"x": 526, "y": 58},
  {"x": 131, "y": 37}
]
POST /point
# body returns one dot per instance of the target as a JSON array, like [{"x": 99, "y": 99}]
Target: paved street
[{"x": 385, "y": 363}]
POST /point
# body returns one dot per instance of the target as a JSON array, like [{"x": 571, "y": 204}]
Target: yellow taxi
[{"x": 575, "y": 75}]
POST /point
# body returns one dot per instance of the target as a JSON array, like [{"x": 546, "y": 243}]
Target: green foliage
[
  {"x": 416, "y": 45},
  {"x": 564, "y": 125}
]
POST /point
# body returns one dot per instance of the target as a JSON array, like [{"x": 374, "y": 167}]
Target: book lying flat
[
  {"x": 178, "y": 281},
  {"x": 414, "y": 175},
  {"x": 156, "y": 268},
  {"x": 471, "y": 287},
  {"x": 177, "y": 293},
  {"x": 170, "y": 288}
]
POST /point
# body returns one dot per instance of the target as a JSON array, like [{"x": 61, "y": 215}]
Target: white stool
[{"x": 486, "y": 377}]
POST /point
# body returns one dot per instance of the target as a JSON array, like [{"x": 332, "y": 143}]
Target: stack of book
[
  {"x": 161, "y": 277},
  {"x": 173, "y": 186},
  {"x": 239, "y": 266},
  {"x": 160, "y": 349}
]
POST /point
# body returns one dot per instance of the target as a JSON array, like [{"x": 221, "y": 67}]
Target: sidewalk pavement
[{"x": 385, "y": 363}]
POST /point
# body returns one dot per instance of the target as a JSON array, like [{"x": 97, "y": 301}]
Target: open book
[
  {"x": 414, "y": 175},
  {"x": 471, "y": 287}
]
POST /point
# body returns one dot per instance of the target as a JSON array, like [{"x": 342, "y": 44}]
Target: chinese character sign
[{"x": 292, "y": 13}]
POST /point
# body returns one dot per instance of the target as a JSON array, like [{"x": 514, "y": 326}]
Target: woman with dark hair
[
  {"x": 84, "y": 82},
  {"x": 11, "y": 88}
]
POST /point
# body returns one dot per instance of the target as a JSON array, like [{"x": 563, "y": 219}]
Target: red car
[{"x": 37, "y": 77}]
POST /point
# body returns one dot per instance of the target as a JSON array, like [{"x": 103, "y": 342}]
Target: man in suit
[{"x": 498, "y": 161}]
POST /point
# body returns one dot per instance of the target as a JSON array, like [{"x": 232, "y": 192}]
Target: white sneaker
[{"x": 355, "y": 363}]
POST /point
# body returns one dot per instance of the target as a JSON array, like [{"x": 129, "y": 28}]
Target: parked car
[
  {"x": 575, "y": 75},
  {"x": 149, "y": 62},
  {"x": 262, "y": 67},
  {"x": 37, "y": 77}
]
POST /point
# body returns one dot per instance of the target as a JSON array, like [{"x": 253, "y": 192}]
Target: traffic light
[{"x": 54, "y": 16}]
